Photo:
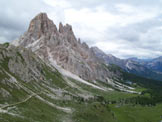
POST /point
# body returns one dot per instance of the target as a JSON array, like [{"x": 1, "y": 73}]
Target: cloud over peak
[{"x": 124, "y": 28}]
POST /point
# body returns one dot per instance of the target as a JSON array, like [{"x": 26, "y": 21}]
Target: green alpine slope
[{"x": 34, "y": 91}]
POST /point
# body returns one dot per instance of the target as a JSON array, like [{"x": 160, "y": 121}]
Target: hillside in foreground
[{"x": 32, "y": 90}]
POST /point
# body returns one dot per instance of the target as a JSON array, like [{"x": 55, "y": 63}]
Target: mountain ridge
[
  {"x": 149, "y": 69},
  {"x": 61, "y": 45}
]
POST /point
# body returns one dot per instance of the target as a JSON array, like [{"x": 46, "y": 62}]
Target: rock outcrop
[
  {"x": 21, "y": 62},
  {"x": 61, "y": 47}
]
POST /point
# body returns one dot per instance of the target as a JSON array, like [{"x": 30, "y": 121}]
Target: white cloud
[
  {"x": 99, "y": 19},
  {"x": 133, "y": 14},
  {"x": 116, "y": 27},
  {"x": 90, "y": 23},
  {"x": 124, "y": 8},
  {"x": 58, "y": 3}
]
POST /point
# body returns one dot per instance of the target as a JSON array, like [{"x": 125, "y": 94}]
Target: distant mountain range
[
  {"x": 146, "y": 68},
  {"x": 140, "y": 60}
]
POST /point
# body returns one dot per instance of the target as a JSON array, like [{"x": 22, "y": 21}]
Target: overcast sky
[{"x": 124, "y": 28}]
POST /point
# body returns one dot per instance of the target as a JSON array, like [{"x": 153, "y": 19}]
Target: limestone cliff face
[
  {"x": 41, "y": 25},
  {"x": 60, "y": 46},
  {"x": 21, "y": 63}
]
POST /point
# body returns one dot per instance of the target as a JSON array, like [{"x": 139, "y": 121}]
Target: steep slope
[
  {"x": 108, "y": 58},
  {"x": 149, "y": 69},
  {"x": 60, "y": 47},
  {"x": 155, "y": 64},
  {"x": 24, "y": 78},
  {"x": 32, "y": 90}
]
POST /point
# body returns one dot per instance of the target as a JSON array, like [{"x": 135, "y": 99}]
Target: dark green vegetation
[
  {"x": 129, "y": 113},
  {"x": 55, "y": 98},
  {"x": 153, "y": 88},
  {"x": 152, "y": 94}
]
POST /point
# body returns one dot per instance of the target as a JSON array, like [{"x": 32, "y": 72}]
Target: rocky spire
[
  {"x": 79, "y": 41},
  {"x": 65, "y": 29},
  {"x": 62, "y": 47},
  {"x": 61, "y": 28},
  {"x": 41, "y": 25},
  {"x": 68, "y": 28},
  {"x": 67, "y": 32}
]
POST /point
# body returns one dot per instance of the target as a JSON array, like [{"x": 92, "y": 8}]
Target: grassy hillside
[
  {"x": 32, "y": 91},
  {"x": 137, "y": 113}
]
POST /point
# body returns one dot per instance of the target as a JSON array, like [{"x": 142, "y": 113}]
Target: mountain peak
[
  {"x": 60, "y": 47},
  {"x": 41, "y": 25},
  {"x": 42, "y": 15},
  {"x": 65, "y": 28},
  {"x": 61, "y": 28}
]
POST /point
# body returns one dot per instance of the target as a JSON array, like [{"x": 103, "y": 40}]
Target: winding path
[{"x": 14, "y": 104}]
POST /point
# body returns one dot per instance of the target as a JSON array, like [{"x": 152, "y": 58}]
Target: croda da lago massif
[{"x": 49, "y": 75}]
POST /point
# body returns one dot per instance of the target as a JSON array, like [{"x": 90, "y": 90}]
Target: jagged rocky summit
[{"x": 61, "y": 47}]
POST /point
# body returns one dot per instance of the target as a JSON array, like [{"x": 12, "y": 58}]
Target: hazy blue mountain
[{"x": 145, "y": 68}]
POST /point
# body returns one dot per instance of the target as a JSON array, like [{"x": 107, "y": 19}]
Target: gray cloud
[
  {"x": 16, "y": 15},
  {"x": 145, "y": 36},
  {"x": 125, "y": 28}
]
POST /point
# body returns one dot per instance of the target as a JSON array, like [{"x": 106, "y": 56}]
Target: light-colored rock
[
  {"x": 4, "y": 93},
  {"x": 43, "y": 37}
]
